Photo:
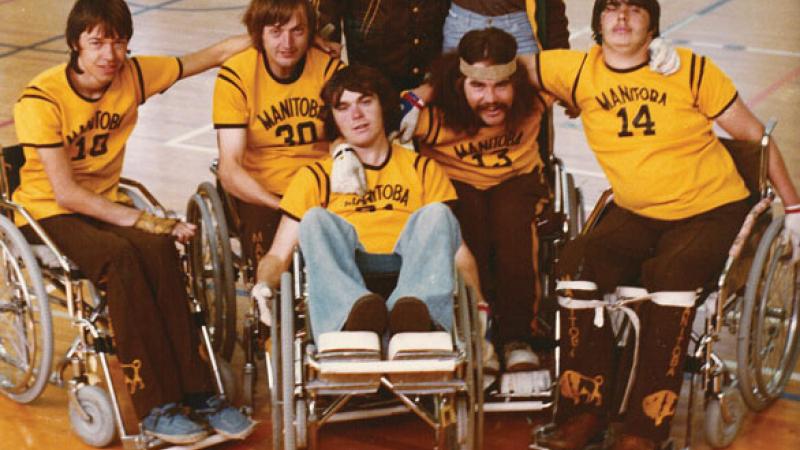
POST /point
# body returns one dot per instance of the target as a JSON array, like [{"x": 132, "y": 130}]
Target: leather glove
[
  {"x": 410, "y": 107},
  {"x": 347, "y": 173},
  {"x": 263, "y": 296},
  {"x": 154, "y": 224},
  {"x": 664, "y": 59},
  {"x": 791, "y": 229}
]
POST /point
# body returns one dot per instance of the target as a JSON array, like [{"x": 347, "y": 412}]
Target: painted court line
[{"x": 180, "y": 141}]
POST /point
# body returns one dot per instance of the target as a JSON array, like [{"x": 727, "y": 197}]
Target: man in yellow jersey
[
  {"x": 678, "y": 204},
  {"x": 267, "y": 114},
  {"x": 482, "y": 126},
  {"x": 400, "y": 212},
  {"x": 73, "y": 121}
]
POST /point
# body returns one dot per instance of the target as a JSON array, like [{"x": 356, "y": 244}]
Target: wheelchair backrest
[{"x": 12, "y": 159}]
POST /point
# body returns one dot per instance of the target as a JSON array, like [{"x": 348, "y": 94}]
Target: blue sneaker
[
  {"x": 225, "y": 419},
  {"x": 170, "y": 424}
]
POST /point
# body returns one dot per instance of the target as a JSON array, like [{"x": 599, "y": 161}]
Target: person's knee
[{"x": 437, "y": 213}]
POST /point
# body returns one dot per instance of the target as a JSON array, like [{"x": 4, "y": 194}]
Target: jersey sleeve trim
[
  {"x": 574, "y": 94},
  {"x": 54, "y": 145},
  {"x": 180, "y": 69},
  {"x": 140, "y": 78},
  {"x": 328, "y": 72},
  {"x": 290, "y": 215},
  {"x": 224, "y": 78},
  {"x": 35, "y": 96},
  {"x": 323, "y": 182},
  {"x": 727, "y": 105},
  {"x": 218, "y": 126}
]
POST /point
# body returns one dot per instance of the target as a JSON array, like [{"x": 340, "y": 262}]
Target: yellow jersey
[
  {"x": 50, "y": 113},
  {"x": 652, "y": 134},
  {"x": 490, "y": 157},
  {"x": 282, "y": 117},
  {"x": 404, "y": 183}
]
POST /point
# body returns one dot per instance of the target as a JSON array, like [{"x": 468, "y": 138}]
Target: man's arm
[
  {"x": 232, "y": 143},
  {"x": 468, "y": 268},
  {"x": 277, "y": 259},
  {"x": 213, "y": 56},
  {"x": 742, "y": 124}
]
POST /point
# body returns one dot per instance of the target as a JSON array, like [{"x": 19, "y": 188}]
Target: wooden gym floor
[{"x": 756, "y": 43}]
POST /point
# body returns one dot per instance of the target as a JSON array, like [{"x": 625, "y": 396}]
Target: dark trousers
[
  {"x": 156, "y": 340},
  {"x": 258, "y": 225},
  {"x": 628, "y": 249},
  {"x": 497, "y": 226}
]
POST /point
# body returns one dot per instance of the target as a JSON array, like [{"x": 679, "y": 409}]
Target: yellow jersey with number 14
[
  {"x": 282, "y": 117},
  {"x": 52, "y": 114},
  {"x": 652, "y": 134}
]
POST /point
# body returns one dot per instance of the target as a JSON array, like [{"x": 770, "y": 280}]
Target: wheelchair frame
[
  {"x": 298, "y": 392},
  {"x": 95, "y": 413},
  {"x": 742, "y": 299}
]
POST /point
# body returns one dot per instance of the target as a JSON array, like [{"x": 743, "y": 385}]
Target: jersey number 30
[
  {"x": 642, "y": 120},
  {"x": 306, "y": 133}
]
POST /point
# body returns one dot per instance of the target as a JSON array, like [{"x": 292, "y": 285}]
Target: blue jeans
[
  {"x": 426, "y": 246},
  {"x": 460, "y": 20}
]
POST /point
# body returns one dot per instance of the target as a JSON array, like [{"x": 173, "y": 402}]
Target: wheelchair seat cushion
[
  {"x": 420, "y": 344},
  {"x": 47, "y": 258}
]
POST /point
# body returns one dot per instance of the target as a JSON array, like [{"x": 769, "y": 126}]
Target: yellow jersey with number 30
[
  {"x": 652, "y": 134},
  {"x": 404, "y": 183},
  {"x": 282, "y": 117},
  {"x": 52, "y": 114}
]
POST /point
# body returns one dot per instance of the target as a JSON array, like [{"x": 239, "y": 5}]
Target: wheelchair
[
  {"x": 39, "y": 277},
  {"x": 756, "y": 297},
  {"x": 313, "y": 383}
]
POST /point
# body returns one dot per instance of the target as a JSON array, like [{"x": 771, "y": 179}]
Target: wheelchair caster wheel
[
  {"x": 96, "y": 427},
  {"x": 724, "y": 416}
]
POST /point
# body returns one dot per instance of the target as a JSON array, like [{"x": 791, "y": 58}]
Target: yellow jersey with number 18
[
  {"x": 652, "y": 134},
  {"x": 52, "y": 114},
  {"x": 282, "y": 117}
]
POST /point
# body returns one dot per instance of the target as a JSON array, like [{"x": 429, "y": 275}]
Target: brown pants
[
  {"x": 258, "y": 225},
  {"x": 496, "y": 225},
  {"x": 155, "y": 338},
  {"x": 627, "y": 249}
]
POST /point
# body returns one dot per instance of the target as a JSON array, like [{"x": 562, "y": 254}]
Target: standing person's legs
[
  {"x": 428, "y": 245},
  {"x": 688, "y": 256},
  {"x": 258, "y": 226},
  {"x": 140, "y": 328},
  {"x": 471, "y": 210},
  {"x": 329, "y": 244},
  {"x": 513, "y": 206},
  {"x": 461, "y": 20}
]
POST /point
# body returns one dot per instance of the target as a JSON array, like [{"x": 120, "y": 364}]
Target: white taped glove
[
  {"x": 664, "y": 59},
  {"x": 347, "y": 174},
  {"x": 791, "y": 230},
  {"x": 410, "y": 107},
  {"x": 263, "y": 295}
]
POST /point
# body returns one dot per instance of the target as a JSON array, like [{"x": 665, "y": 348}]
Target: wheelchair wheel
[
  {"x": 98, "y": 429},
  {"x": 469, "y": 404},
  {"x": 26, "y": 327},
  {"x": 211, "y": 268},
  {"x": 724, "y": 417},
  {"x": 287, "y": 362},
  {"x": 229, "y": 381},
  {"x": 274, "y": 378},
  {"x": 301, "y": 425},
  {"x": 768, "y": 332}
]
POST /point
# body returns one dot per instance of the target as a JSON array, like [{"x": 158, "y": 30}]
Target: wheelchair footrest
[
  {"x": 349, "y": 347},
  {"x": 421, "y": 348},
  {"x": 537, "y": 383}
]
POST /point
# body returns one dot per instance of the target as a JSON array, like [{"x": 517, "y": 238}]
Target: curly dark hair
[
  {"x": 652, "y": 7},
  {"x": 364, "y": 80},
  {"x": 492, "y": 46}
]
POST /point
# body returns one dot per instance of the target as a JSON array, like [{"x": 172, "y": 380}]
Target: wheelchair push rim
[{"x": 26, "y": 329}]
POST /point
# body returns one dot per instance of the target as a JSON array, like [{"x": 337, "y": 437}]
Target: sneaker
[
  {"x": 225, "y": 419},
  {"x": 409, "y": 315},
  {"x": 367, "y": 314},
  {"x": 519, "y": 357},
  {"x": 170, "y": 424}
]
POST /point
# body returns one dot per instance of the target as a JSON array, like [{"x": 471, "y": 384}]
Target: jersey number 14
[{"x": 642, "y": 120}]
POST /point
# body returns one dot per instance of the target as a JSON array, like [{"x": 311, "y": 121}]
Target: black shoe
[
  {"x": 409, "y": 314},
  {"x": 367, "y": 314}
]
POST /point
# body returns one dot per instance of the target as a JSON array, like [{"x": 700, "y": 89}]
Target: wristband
[
  {"x": 411, "y": 97},
  {"x": 792, "y": 209}
]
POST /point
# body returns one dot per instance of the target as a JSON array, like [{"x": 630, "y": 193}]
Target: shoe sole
[
  {"x": 185, "y": 439},
  {"x": 240, "y": 435}
]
